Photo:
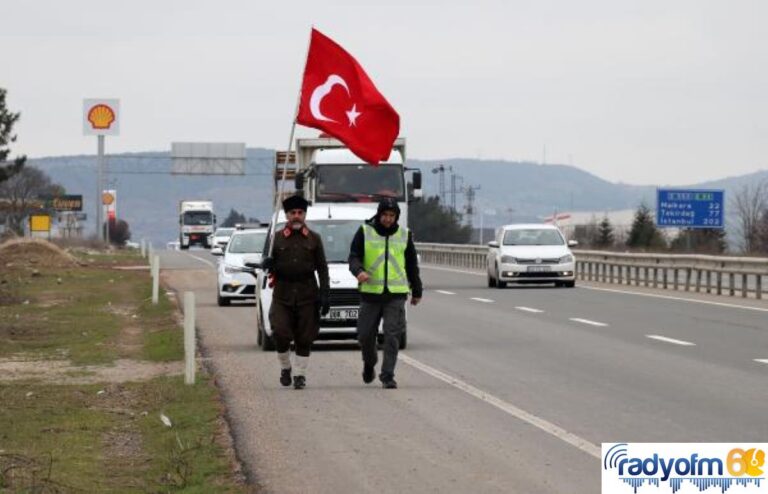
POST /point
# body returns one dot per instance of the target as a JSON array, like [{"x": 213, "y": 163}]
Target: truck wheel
[
  {"x": 569, "y": 284},
  {"x": 222, "y": 301}
]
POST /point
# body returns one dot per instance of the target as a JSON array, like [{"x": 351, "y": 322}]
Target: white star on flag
[{"x": 352, "y": 116}]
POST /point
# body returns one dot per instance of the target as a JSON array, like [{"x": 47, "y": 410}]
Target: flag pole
[{"x": 279, "y": 194}]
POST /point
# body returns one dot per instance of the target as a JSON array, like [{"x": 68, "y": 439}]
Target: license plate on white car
[
  {"x": 341, "y": 314},
  {"x": 538, "y": 269}
]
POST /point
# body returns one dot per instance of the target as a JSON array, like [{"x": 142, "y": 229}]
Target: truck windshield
[
  {"x": 533, "y": 236},
  {"x": 198, "y": 218},
  {"x": 359, "y": 183}
]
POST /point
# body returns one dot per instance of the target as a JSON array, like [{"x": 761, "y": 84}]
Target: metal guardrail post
[
  {"x": 743, "y": 285},
  {"x": 759, "y": 286}
]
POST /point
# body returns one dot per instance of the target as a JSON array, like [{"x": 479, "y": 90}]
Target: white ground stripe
[
  {"x": 445, "y": 292},
  {"x": 203, "y": 260},
  {"x": 762, "y": 360},
  {"x": 529, "y": 309},
  {"x": 485, "y": 300},
  {"x": 587, "y": 321},
  {"x": 625, "y": 292},
  {"x": 682, "y": 299},
  {"x": 669, "y": 340},
  {"x": 538, "y": 422}
]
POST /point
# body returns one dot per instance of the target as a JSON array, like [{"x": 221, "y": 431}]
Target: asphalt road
[{"x": 507, "y": 390}]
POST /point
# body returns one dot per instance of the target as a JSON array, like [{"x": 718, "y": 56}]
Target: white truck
[
  {"x": 329, "y": 173},
  {"x": 196, "y": 224}
]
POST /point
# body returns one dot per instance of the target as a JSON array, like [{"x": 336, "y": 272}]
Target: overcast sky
[{"x": 643, "y": 92}]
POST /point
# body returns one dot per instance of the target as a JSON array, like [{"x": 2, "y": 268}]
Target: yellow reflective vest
[{"x": 384, "y": 261}]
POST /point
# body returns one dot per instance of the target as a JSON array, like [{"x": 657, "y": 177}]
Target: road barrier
[{"x": 720, "y": 275}]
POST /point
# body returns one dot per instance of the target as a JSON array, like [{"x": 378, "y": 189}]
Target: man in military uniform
[
  {"x": 296, "y": 300},
  {"x": 383, "y": 258}
]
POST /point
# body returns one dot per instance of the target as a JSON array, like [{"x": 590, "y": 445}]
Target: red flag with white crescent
[{"x": 339, "y": 98}]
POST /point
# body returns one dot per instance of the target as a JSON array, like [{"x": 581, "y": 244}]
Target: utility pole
[
  {"x": 457, "y": 182},
  {"x": 441, "y": 191}
]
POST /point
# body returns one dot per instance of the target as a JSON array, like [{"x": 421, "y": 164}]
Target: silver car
[{"x": 245, "y": 246}]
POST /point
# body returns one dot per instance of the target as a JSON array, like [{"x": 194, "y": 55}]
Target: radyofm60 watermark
[{"x": 683, "y": 467}]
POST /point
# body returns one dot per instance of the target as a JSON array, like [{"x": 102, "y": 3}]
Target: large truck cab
[
  {"x": 329, "y": 173},
  {"x": 196, "y": 224}
]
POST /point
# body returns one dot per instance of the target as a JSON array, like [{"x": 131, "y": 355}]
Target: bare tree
[
  {"x": 22, "y": 194},
  {"x": 749, "y": 205}
]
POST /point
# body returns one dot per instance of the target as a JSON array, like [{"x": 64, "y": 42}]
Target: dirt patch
[
  {"x": 34, "y": 252},
  {"x": 63, "y": 372}
]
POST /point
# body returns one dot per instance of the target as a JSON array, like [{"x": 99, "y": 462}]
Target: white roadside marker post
[
  {"x": 155, "y": 267},
  {"x": 189, "y": 337}
]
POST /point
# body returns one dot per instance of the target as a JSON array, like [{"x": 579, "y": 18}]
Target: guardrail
[{"x": 688, "y": 272}]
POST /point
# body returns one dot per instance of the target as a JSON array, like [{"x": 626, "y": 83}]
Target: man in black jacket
[{"x": 383, "y": 259}]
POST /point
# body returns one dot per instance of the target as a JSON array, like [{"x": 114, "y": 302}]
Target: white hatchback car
[
  {"x": 530, "y": 253},
  {"x": 245, "y": 246}
]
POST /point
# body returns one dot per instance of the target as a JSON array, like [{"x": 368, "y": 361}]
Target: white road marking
[
  {"x": 669, "y": 340},
  {"x": 682, "y": 299},
  {"x": 445, "y": 292},
  {"x": 203, "y": 260},
  {"x": 529, "y": 309},
  {"x": 587, "y": 321},
  {"x": 485, "y": 300},
  {"x": 625, "y": 292},
  {"x": 538, "y": 422},
  {"x": 762, "y": 360}
]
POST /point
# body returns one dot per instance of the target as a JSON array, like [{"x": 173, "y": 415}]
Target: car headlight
[
  {"x": 231, "y": 269},
  {"x": 566, "y": 258},
  {"x": 508, "y": 260}
]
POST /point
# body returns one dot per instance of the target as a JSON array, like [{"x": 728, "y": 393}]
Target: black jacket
[{"x": 357, "y": 253}]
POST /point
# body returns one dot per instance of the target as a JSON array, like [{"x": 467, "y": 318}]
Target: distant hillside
[{"x": 518, "y": 191}]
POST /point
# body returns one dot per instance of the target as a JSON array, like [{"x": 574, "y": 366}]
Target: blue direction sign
[{"x": 690, "y": 208}]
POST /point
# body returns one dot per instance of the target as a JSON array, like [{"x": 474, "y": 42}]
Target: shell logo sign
[{"x": 101, "y": 117}]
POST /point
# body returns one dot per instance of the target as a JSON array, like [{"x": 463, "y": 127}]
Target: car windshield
[
  {"x": 533, "y": 236},
  {"x": 224, "y": 232},
  {"x": 247, "y": 243},
  {"x": 198, "y": 218},
  {"x": 337, "y": 236},
  {"x": 359, "y": 183}
]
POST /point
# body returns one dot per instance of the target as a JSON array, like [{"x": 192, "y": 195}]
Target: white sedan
[
  {"x": 530, "y": 253},
  {"x": 245, "y": 246}
]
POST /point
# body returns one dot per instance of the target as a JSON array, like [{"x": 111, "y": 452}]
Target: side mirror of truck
[
  {"x": 298, "y": 181},
  {"x": 416, "y": 180}
]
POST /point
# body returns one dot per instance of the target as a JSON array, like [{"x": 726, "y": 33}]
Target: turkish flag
[{"x": 339, "y": 98}]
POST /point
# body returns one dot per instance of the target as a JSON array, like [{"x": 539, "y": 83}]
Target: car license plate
[
  {"x": 538, "y": 269},
  {"x": 341, "y": 314}
]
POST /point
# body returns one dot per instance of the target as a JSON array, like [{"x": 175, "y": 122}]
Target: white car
[
  {"x": 245, "y": 246},
  {"x": 337, "y": 226},
  {"x": 221, "y": 237},
  {"x": 530, "y": 253}
]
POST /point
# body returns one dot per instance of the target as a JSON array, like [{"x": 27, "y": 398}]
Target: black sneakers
[
  {"x": 285, "y": 377},
  {"x": 369, "y": 372},
  {"x": 299, "y": 382},
  {"x": 388, "y": 382}
]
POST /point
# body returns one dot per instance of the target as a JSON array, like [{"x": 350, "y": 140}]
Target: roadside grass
[
  {"x": 97, "y": 438},
  {"x": 104, "y": 437}
]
